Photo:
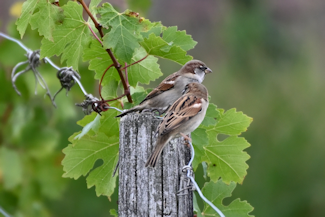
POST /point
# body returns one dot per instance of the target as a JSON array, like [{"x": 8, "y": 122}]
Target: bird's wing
[
  {"x": 181, "y": 111},
  {"x": 165, "y": 85}
]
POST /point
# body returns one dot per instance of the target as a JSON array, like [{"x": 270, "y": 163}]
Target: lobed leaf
[
  {"x": 81, "y": 156},
  {"x": 200, "y": 139},
  {"x": 156, "y": 46},
  {"x": 70, "y": 38},
  {"x": 145, "y": 71},
  {"x": 179, "y": 38},
  {"x": 210, "y": 118},
  {"x": 27, "y": 11},
  {"x": 156, "y": 29},
  {"x": 216, "y": 192},
  {"x": 99, "y": 60},
  {"x": 46, "y": 18},
  {"x": 123, "y": 37},
  {"x": 226, "y": 159},
  {"x": 42, "y": 15},
  {"x": 232, "y": 122}
]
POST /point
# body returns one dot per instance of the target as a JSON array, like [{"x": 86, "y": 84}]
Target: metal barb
[
  {"x": 67, "y": 77},
  {"x": 190, "y": 175},
  {"x": 86, "y": 105},
  {"x": 33, "y": 62}
]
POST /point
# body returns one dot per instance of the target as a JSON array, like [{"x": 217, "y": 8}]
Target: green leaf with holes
[
  {"x": 226, "y": 159},
  {"x": 81, "y": 156}
]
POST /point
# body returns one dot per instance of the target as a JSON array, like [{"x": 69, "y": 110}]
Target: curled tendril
[
  {"x": 33, "y": 62},
  {"x": 67, "y": 77}
]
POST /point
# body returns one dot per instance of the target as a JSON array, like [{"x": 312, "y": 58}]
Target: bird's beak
[{"x": 207, "y": 71}]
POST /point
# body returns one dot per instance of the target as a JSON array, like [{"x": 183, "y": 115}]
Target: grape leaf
[
  {"x": 210, "y": 116},
  {"x": 200, "y": 139},
  {"x": 137, "y": 98},
  {"x": 156, "y": 46},
  {"x": 226, "y": 159},
  {"x": 93, "y": 124},
  {"x": 232, "y": 122},
  {"x": 99, "y": 60},
  {"x": 123, "y": 37},
  {"x": 145, "y": 71},
  {"x": 27, "y": 11},
  {"x": 109, "y": 124},
  {"x": 109, "y": 90},
  {"x": 81, "y": 156},
  {"x": 68, "y": 38},
  {"x": 216, "y": 192},
  {"x": 46, "y": 18},
  {"x": 178, "y": 38},
  {"x": 156, "y": 29}
]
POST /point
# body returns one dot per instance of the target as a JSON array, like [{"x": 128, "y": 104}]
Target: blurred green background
[{"x": 267, "y": 59}]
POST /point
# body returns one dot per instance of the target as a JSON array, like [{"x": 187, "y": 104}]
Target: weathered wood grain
[{"x": 150, "y": 191}]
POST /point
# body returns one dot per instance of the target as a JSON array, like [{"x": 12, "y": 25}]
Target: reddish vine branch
[{"x": 117, "y": 65}]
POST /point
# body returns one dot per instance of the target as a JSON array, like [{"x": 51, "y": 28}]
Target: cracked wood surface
[{"x": 150, "y": 191}]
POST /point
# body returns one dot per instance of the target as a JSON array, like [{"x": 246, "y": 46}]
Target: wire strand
[
  {"x": 15, "y": 40},
  {"x": 3, "y": 212},
  {"x": 188, "y": 167}
]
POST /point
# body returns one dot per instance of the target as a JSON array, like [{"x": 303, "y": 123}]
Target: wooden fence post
[{"x": 150, "y": 191}]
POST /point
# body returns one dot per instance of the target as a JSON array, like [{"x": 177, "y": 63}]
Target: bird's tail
[{"x": 161, "y": 143}]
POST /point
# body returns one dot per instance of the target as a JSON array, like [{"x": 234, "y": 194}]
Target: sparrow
[
  {"x": 170, "y": 89},
  {"x": 183, "y": 117}
]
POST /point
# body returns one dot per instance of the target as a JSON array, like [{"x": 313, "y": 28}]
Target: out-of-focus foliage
[
  {"x": 268, "y": 61},
  {"x": 32, "y": 136}
]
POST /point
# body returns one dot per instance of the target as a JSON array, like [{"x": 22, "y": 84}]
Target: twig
[
  {"x": 117, "y": 65},
  {"x": 94, "y": 34},
  {"x": 101, "y": 80},
  {"x": 189, "y": 174}
]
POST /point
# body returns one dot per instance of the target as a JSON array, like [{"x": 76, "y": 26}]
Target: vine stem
[
  {"x": 126, "y": 66},
  {"x": 117, "y": 65},
  {"x": 100, "y": 82}
]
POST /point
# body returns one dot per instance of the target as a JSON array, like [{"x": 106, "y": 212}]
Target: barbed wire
[
  {"x": 67, "y": 76},
  {"x": 190, "y": 175}
]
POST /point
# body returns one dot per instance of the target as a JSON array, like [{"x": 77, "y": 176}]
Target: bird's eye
[{"x": 202, "y": 67}]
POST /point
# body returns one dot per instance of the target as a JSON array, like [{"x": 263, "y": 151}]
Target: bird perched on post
[
  {"x": 183, "y": 117},
  {"x": 170, "y": 89}
]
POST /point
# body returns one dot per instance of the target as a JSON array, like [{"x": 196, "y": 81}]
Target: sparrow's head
[
  {"x": 195, "y": 69},
  {"x": 196, "y": 89}
]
